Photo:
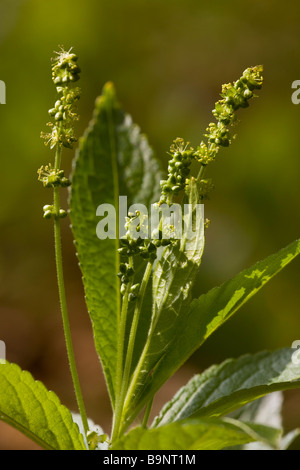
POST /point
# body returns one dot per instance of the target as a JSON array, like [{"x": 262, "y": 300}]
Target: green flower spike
[
  {"x": 65, "y": 72},
  {"x": 234, "y": 96},
  {"x": 50, "y": 177}
]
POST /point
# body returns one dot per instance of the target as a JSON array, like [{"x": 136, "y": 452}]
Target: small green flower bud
[
  {"x": 48, "y": 211},
  {"x": 123, "y": 289},
  {"x": 47, "y": 214},
  {"x": 58, "y": 117},
  {"x": 135, "y": 288},
  {"x": 62, "y": 214}
]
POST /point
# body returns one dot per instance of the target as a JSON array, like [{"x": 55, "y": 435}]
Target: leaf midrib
[{"x": 115, "y": 172}]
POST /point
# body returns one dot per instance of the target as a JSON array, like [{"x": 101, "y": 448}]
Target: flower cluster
[
  {"x": 178, "y": 169},
  {"x": 50, "y": 177},
  {"x": 132, "y": 246},
  {"x": 234, "y": 96},
  {"x": 49, "y": 212},
  {"x": 126, "y": 275},
  {"x": 65, "y": 72},
  {"x": 141, "y": 247}
]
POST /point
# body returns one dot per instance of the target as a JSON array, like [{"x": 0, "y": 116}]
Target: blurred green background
[{"x": 168, "y": 60}]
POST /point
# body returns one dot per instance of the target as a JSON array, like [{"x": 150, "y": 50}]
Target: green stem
[
  {"x": 147, "y": 413},
  {"x": 134, "y": 325},
  {"x": 63, "y": 301},
  {"x": 120, "y": 357},
  {"x": 201, "y": 172},
  {"x": 130, "y": 348}
]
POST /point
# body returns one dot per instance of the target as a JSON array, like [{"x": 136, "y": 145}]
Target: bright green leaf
[
  {"x": 114, "y": 159},
  {"x": 209, "y": 312},
  {"x": 28, "y": 406},
  {"x": 196, "y": 434},
  {"x": 230, "y": 385}
]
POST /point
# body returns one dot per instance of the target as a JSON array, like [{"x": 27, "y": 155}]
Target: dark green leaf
[
  {"x": 232, "y": 384},
  {"x": 114, "y": 159}
]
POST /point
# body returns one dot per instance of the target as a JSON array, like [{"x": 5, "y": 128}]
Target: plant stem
[
  {"x": 147, "y": 413},
  {"x": 201, "y": 172},
  {"x": 120, "y": 357},
  {"x": 130, "y": 348},
  {"x": 135, "y": 321},
  {"x": 63, "y": 301}
]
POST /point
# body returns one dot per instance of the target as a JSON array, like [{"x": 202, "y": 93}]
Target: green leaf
[
  {"x": 196, "y": 434},
  {"x": 28, "y": 406},
  {"x": 113, "y": 159},
  {"x": 209, "y": 312},
  {"x": 172, "y": 281},
  {"x": 230, "y": 385}
]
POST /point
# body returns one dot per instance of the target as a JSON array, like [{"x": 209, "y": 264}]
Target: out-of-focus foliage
[{"x": 167, "y": 60}]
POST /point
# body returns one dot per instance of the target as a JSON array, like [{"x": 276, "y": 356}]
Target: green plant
[{"x": 138, "y": 288}]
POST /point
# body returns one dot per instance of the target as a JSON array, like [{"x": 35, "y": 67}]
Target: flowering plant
[{"x": 138, "y": 287}]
